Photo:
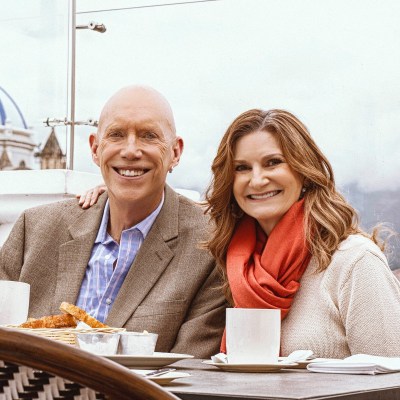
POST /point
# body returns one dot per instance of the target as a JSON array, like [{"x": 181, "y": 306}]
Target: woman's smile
[{"x": 264, "y": 196}]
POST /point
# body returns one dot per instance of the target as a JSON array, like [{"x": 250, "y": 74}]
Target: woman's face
[{"x": 264, "y": 184}]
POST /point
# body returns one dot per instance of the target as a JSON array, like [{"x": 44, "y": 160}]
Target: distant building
[
  {"x": 17, "y": 148},
  {"x": 51, "y": 156},
  {"x": 16, "y": 144}
]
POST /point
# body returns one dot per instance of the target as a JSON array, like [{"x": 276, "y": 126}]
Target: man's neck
[{"x": 124, "y": 216}]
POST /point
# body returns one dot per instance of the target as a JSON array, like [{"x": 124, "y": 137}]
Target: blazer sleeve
[
  {"x": 369, "y": 303},
  {"x": 201, "y": 332},
  {"x": 12, "y": 252}
]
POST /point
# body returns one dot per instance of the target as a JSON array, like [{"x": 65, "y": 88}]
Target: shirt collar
[{"x": 143, "y": 226}]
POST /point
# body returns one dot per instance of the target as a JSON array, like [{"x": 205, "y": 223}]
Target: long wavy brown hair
[{"x": 329, "y": 219}]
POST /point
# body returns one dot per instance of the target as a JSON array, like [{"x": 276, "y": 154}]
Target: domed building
[
  {"x": 17, "y": 148},
  {"x": 16, "y": 143}
]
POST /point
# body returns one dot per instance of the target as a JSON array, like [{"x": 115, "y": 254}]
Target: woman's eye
[
  {"x": 239, "y": 168},
  {"x": 274, "y": 161}
]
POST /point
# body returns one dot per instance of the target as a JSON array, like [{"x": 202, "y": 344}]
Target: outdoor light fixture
[{"x": 94, "y": 26}]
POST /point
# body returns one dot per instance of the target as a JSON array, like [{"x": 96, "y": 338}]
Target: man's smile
[{"x": 130, "y": 172}]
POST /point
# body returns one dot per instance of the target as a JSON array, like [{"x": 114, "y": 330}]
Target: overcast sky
[{"x": 333, "y": 63}]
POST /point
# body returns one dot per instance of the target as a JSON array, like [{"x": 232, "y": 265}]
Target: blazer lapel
[
  {"x": 74, "y": 254},
  {"x": 150, "y": 262}
]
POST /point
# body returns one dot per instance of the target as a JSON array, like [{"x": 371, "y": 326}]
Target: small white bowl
[
  {"x": 137, "y": 343},
  {"x": 98, "y": 343}
]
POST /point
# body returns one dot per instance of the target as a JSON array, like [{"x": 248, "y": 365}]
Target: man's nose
[{"x": 131, "y": 148}]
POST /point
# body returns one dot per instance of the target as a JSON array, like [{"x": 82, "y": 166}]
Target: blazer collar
[
  {"x": 88, "y": 220},
  {"x": 74, "y": 254},
  {"x": 167, "y": 220}
]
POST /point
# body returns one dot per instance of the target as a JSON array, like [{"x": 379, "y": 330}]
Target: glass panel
[
  {"x": 335, "y": 64},
  {"x": 33, "y": 74}
]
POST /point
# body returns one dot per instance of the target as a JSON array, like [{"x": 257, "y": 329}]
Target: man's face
[{"x": 135, "y": 146}]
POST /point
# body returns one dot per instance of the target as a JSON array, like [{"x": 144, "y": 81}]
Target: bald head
[
  {"x": 138, "y": 99},
  {"x": 135, "y": 147}
]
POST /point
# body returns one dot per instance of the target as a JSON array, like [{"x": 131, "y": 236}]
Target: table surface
[{"x": 210, "y": 383}]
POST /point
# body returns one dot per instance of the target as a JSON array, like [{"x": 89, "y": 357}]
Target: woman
[{"x": 289, "y": 240}]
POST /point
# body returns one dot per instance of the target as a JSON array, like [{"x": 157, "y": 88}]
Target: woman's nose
[
  {"x": 131, "y": 148},
  {"x": 258, "y": 179}
]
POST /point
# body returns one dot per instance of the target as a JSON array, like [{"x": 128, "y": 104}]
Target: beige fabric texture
[
  {"x": 171, "y": 288},
  {"x": 352, "y": 307}
]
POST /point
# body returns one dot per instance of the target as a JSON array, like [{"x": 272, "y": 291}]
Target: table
[{"x": 209, "y": 383}]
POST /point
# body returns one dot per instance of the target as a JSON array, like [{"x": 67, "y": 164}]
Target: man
[{"x": 133, "y": 260}]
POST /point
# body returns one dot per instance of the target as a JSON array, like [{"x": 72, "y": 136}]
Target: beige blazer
[{"x": 171, "y": 288}]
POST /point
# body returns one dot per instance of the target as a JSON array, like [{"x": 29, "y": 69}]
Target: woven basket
[{"x": 65, "y": 335}]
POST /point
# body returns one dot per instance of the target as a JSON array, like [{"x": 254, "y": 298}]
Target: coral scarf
[{"x": 264, "y": 272}]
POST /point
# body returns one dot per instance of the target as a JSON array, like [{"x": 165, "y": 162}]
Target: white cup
[
  {"x": 137, "y": 343},
  {"x": 98, "y": 343},
  {"x": 14, "y": 302},
  {"x": 253, "y": 335}
]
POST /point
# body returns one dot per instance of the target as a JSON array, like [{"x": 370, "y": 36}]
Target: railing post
[{"x": 72, "y": 53}]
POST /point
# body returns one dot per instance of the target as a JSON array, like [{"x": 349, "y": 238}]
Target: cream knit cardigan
[{"x": 352, "y": 307}]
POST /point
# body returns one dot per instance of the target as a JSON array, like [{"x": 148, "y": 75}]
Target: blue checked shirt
[{"x": 102, "y": 280}]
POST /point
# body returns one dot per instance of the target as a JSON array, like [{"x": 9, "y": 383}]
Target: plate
[
  {"x": 303, "y": 363},
  {"x": 162, "y": 379},
  {"x": 273, "y": 367},
  {"x": 148, "y": 362}
]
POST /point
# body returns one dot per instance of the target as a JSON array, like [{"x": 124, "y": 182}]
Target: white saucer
[
  {"x": 303, "y": 363},
  {"x": 148, "y": 362},
  {"x": 273, "y": 367},
  {"x": 162, "y": 379}
]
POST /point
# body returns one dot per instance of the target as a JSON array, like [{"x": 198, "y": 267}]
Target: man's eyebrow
[
  {"x": 145, "y": 127},
  {"x": 144, "y": 124},
  {"x": 113, "y": 127}
]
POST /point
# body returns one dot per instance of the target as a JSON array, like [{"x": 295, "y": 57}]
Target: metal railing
[{"x": 70, "y": 120}]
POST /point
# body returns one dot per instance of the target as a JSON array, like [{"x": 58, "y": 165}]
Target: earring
[
  {"x": 170, "y": 170},
  {"x": 302, "y": 192}
]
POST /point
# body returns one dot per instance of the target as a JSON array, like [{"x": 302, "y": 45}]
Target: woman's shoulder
[
  {"x": 357, "y": 258},
  {"x": 358, "y": 244},
  {"x": 355, "y": 250}
]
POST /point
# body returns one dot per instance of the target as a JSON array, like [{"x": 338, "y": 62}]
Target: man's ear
[
  {"x": 94, "y": 145},
  {"x": 177, "y": 148}
]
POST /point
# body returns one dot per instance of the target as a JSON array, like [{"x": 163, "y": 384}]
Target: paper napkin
[
  {"x": 219, "y": 358},
  {"x": 357, "y": 364}
]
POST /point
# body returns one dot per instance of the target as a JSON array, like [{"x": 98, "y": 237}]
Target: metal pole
[{"x": 70, "y": 160}]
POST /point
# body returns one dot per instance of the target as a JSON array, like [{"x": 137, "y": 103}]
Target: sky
[{"x": 333, "y": 63}]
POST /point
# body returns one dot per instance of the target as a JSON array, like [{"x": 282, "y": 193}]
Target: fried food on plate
[
  {"x": 51, "y": 321},
  {"x": 81, "y": 315}
]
